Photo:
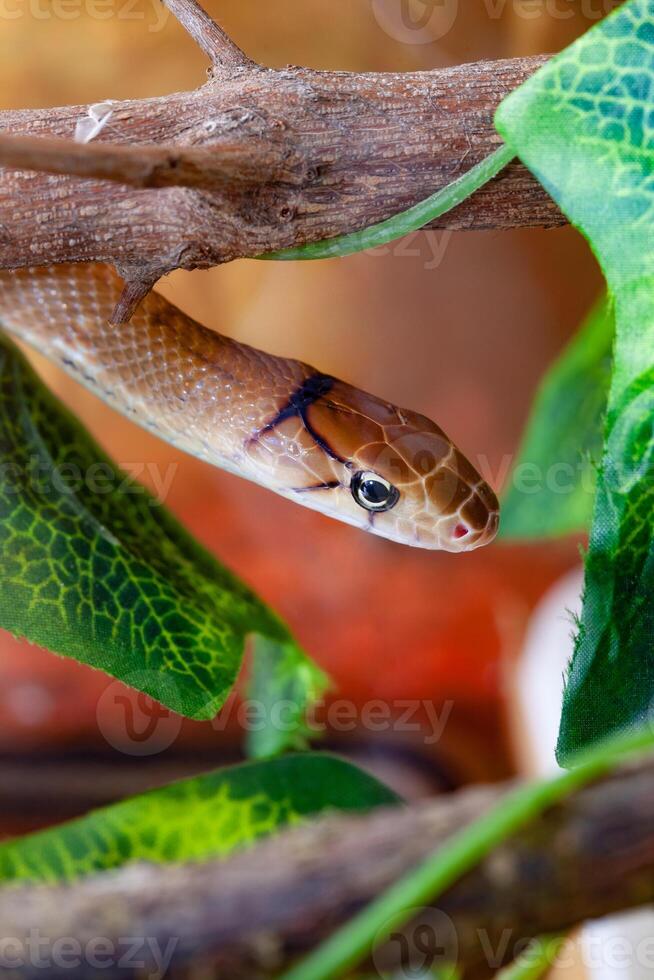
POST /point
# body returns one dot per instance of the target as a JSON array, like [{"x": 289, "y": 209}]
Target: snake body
[{"x": 272, "y": 420}]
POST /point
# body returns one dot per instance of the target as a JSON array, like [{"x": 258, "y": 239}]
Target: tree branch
[
  {"x": 207, "y": 34},
  {"x": 247, "y": 917},
  {"x": 345, "y": 151},
  {"x": 256, "y": 161},
  {"x": 134, "y": 291}
]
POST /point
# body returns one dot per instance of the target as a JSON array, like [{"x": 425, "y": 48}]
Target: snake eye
[{"x": 373, "y": 492}]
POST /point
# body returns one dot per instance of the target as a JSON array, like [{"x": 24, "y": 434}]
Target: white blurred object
[
  {"x": 90, "y": 125},
  {"x": 542, "y": 669},
  {"x": 616, "y": 948},
  {"x": 620, "y": 947}
]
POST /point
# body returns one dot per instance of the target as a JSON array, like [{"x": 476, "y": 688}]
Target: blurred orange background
[{"x": 458, "y": 326}]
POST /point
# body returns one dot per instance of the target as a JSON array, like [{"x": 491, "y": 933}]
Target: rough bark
[
  {"x": 252, "y": 914},
  {"x": 341, "y": 151}
]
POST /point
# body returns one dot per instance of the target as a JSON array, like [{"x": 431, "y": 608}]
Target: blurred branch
[{"x": 249, "y": 916}]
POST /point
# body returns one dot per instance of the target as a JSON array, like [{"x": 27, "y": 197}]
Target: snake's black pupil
[{"x": 374, "y": 492}]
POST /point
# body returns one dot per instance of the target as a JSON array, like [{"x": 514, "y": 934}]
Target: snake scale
[{"x": 273, "y": 420}]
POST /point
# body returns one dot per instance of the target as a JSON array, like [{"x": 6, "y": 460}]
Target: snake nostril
[{"x": 461, "y": 531}]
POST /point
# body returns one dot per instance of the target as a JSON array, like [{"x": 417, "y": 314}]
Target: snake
[{"x": 276, "y": 421}]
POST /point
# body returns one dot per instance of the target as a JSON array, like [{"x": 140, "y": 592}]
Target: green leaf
[
  {"x": 552, "y": 486},
  {"x": 91, "y": 566},
  {"x": 195, "y": 819},
  {"x": 283, "y": 682},
  {"x": 583, "y": 125}
]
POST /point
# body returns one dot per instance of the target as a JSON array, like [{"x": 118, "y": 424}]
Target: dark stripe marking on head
[{"x": 311, "y": 389}]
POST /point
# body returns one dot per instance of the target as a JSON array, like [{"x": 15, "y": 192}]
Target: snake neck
[{"x": 196, "y": 389}]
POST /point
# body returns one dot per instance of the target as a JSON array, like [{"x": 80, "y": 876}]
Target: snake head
[{"x": 363, "y": 461}]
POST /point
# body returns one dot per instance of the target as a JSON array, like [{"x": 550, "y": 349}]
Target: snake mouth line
[{"x": 331, "y": 485}]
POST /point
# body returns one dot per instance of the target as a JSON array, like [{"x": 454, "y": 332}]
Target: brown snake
[{"x": 273, "y": 420}]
